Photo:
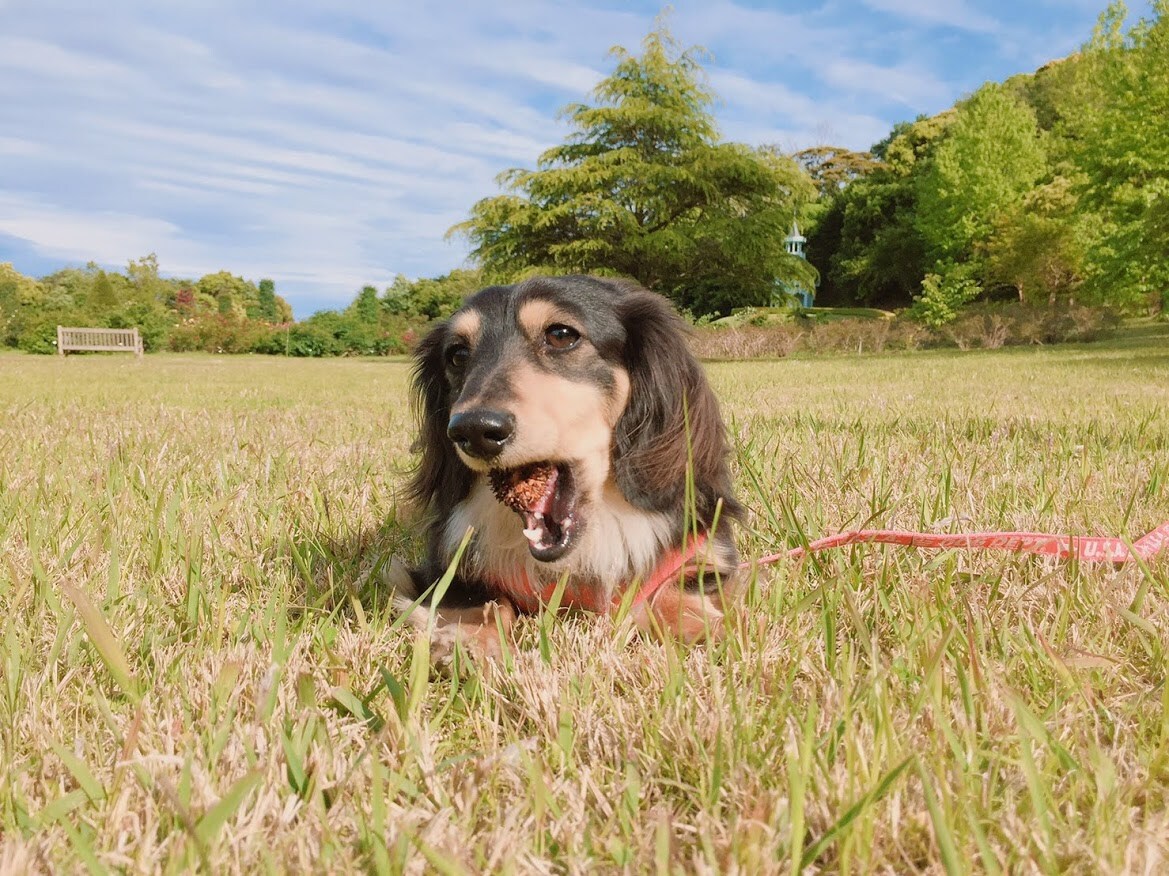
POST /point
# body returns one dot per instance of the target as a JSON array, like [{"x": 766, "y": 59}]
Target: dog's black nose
[{"x": 481, "y": 433}]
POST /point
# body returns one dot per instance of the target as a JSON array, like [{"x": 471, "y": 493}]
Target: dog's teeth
[
  {"x": 533, "y": 535},
  {"x": 539, "y": 515}
]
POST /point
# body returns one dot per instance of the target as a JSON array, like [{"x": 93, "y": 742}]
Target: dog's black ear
[
  {"x": 441, "y": 480},
  {"x": 669, "y": 399}
]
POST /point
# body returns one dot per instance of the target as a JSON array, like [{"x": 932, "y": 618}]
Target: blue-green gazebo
[{"x": 794, "y": 244}]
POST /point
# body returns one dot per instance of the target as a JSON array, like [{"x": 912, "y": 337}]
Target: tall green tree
[
  {"x": 430, "y": 297},
  {"x": 266, "y": 305},
  {"x": 991, "y": 156},
  {"x": 20, "y": 296},
  {"x": 833, "y": 168},
  {"x": 145, "y": 280},
  {"x": 1036, "y": 247},
  {"x": 227, "y": 294},
  {"x": 1119, "y": 141},
  {"x": 103, "y": 299},
  {"x": 644, "y": 188},
  {"x": 366, "y": 307},
  {"x": 880, "y": 257}
]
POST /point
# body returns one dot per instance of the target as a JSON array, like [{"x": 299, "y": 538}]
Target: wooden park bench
[{"x": 104, "y": 340}]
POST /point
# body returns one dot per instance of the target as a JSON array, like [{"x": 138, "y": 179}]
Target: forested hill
[{"x": 1048, "y": 186}]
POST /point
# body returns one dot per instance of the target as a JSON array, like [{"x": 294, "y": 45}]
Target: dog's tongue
[{"x": 543, "y": 503}]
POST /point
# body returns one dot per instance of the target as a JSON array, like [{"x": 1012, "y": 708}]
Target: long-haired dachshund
[{"x": 565, "y": 421}]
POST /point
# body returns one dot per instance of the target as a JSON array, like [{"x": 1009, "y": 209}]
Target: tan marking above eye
[
  {"x": 537, "y": 315},
  {"x": 468, "y": 325}
]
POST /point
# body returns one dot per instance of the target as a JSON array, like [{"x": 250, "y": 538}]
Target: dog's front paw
[
  {"x": 481, "y": 633},
  {"x": 689, "y": 618},
  {"x": 395, "y": 577}
]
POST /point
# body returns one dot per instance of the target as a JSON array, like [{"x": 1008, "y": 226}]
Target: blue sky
[{"x": 329, "y": 145}]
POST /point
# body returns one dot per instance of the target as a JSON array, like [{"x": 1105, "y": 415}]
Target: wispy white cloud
[
  {"x": 43, "y": 59},
  {"x": 804, "y": 121},
  {"x": 950, "y": 13},
  {"x": 82, "y": 235},
  {"x": 17, "y": 146},
  {"x": 910, "y": 87}
]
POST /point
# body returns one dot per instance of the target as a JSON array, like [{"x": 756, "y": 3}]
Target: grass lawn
[{"x": 196, "y": 674}]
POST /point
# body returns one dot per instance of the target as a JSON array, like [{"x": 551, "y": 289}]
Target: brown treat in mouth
[
  {"x": 523, "y": 489},
  {"x": 545, "y": 497}
]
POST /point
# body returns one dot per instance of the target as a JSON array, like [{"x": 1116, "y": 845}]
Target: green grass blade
[
  {"x": 103, "y": 638},
  {"x": 213, "y": 820},
  {"x": 80, "y": 771},
  {"x": 876, "y": 793},
  {"x": 942, "y": 833}
]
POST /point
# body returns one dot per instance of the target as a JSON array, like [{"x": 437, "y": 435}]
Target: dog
[{"x": 566, "y": 424}]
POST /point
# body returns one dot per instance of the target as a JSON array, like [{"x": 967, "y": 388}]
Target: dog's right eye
[
  {"x": 457, "y": 356},
  {"x": 561, "y": 337}
]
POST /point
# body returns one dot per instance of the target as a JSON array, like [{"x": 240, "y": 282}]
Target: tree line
[
  {"x": 220, "y": 312},
  {"x": 1049, "y": 188}
]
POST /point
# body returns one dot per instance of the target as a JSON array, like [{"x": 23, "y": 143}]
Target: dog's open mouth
[{"x": 544, "y": 495}]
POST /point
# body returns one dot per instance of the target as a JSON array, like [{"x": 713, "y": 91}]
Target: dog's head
[{"x": 555, "y": 389}]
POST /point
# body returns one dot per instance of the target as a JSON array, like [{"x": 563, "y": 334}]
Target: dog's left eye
[
  {"x": 457, "y": 356},
  {"x": 561, "y": 337}
]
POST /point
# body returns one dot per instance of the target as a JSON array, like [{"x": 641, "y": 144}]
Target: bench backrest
[{"x": 105, "y": 340}]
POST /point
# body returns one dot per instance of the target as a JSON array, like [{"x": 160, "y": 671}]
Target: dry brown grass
[
  {"x": 982, "y": 326},
  {"x": 195, "y": 672}
]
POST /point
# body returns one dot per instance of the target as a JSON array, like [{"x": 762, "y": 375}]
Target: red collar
[{"x": 529, "y": 598}]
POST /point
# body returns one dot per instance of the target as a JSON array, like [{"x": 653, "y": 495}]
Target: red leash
[{"x": 1085, "y": 548}]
